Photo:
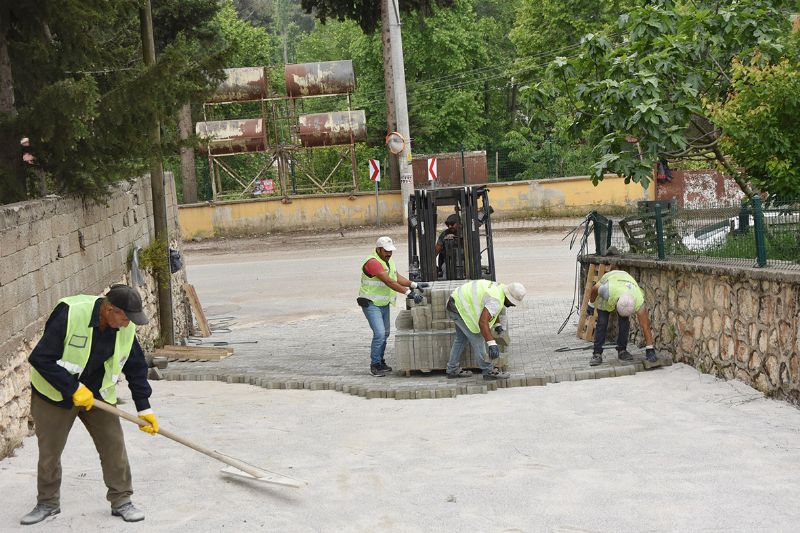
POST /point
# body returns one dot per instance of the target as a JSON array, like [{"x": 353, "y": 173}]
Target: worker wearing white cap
[
  {"x": 618, "y": 291},
  {"x": 474, "y": 308},
  {"x": 380, "y": 284}
]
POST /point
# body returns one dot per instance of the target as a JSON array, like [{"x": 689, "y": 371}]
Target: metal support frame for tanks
[
  {"x": 283, "y": 137},
  {"x": 471, "y": 254}
]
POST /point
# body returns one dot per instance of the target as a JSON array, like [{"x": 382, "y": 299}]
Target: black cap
[
  {"x": 452, "y": 219},
  {"x": 127, "y": 299}
]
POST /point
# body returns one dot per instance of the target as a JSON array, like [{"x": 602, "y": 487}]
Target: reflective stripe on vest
[
  {"x": 78, "y": 346},
  {"x": 619, "y": 282},
  {"x": 469, "y": 301},
  {"x": 373, "y": 288}
]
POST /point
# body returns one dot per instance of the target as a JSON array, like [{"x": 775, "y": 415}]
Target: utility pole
[
  {"x": 393, "y": 169},
  {"x": 401, "y": 105},
  {"x": 157, "y": 188}
]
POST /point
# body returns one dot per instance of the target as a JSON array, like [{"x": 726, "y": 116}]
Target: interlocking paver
[{"x": 325, "y": 351}]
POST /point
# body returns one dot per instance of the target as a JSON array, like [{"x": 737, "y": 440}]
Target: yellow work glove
[
  {"x": 150, "y": 417},
  {"x": 83, "y": 397}
]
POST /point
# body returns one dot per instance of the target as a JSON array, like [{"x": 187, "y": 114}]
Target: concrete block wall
[
  {"x": 424, "y": 333},
  {"x": 56, "y": 247},
  {"x": 733, "y": 322}
]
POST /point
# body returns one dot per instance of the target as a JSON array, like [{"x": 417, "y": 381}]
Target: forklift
[{"x": 470, "y": 255}]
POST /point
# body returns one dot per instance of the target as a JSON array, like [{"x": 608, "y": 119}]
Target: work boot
[
  {"x": 624, "y": 355},
  {"x": 597, "y": 359},
  {"x": 459, "y": 373},
  {"x": 385, "y": 367},
  {"x": 128, "y": 512},
  {"x": 376, "y": 370},
  {"x": 495, "y": 374},
  {"x": 39, "y": 513}
]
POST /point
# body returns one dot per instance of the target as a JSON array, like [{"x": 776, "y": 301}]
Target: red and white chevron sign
[
  {"x": 433, "y": 169},
  {"x": 374, "y": 170}
]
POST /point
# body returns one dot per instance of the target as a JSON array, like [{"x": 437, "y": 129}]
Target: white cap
[
  {"x": 515, "y": 292},
  {"x": 625, "y": 304},
  {"x": 386, "y": 243}
]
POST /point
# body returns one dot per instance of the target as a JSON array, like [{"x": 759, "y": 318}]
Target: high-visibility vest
[
  {"x": 469, "y": 301},
  {"x": 374, "y": 289},
  {"x": 78, "y": 346},
  {"x": 619, "y": 282}
]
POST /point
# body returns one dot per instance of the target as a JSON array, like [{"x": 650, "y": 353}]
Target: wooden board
[
  {"x": 194, "y": 353},
  {"x": 197, "y": 309},
  {"x": 586, "y": 324}
]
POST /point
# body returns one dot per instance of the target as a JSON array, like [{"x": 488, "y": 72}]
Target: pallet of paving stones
[{"x": 194, "y": 353}]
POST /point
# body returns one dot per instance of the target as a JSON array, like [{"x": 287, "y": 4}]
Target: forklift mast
[{"x": 468, "y": 256}]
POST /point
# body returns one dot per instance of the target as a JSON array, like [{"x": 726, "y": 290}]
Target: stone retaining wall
[
  {"x": 732, "y": 322},
  {"x": 56, "y": 247}
]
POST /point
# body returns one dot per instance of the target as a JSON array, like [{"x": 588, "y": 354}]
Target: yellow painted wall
[{"x": 258, "y": 216}]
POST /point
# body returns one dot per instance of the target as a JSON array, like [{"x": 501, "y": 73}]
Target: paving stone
[
  {"x": 425, "y": 394},
  {"x": 609, "y": 372},
  {"x": 624, "y": 370},
  {"x": 564, "y": 375},
  {"x": 374, "y": 393},
  {"x": 446, "y": 392},
  {"x": 476, "y": 389}
]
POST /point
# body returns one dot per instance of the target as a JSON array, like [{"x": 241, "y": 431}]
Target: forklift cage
[{"x": 463, "y": 254}]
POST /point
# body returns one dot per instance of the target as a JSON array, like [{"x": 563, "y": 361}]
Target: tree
[
  {"x": 643, "y": 90},
  {"x": 82, "y": 94},
  {"x": 759, "y": 124},
  {"x": 367, "y": 13}
]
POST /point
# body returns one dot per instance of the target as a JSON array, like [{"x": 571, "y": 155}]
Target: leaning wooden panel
[
  {"x": 586, "y": 324},
  {"x": 197, "y": 309}
]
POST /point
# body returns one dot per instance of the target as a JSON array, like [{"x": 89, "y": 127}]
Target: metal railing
[{"x": 751, "y": 233}]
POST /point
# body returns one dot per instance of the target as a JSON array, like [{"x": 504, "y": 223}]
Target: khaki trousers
[{"x": 53, "y": 425}]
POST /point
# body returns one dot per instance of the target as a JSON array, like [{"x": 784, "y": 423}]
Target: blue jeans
[
  {"x": 464, "y": 335},
  {"x": 378, "y": 318},
  {"x": 623, "y": 330}
]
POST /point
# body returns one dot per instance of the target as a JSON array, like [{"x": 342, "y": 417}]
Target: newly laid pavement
[{"x": 288, "y": 310}]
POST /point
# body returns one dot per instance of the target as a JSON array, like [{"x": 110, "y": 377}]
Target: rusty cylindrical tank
[
  {"x": 231, "y": 136},
  {"x": 241, "y": 85},
  {"x": 327, "y": 129},
  {"x": 316, "y": 79}
]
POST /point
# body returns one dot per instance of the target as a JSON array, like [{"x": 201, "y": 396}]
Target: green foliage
[
  {"x": 641, "y": 91},
  {"x": 759, "y": 121},
  {"x": 154, "y": 258},
  {"x": 83, "y": 95},
  {"x": 367, "y": 13}
]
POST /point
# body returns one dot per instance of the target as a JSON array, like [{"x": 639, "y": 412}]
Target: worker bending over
[
  {"x": 474, "y": 308},
  {"x": 618, "y": 291},
  {"x": 88, "y": 342}
]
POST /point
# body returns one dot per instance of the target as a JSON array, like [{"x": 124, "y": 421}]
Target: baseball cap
[
  {"x": 386, "y": 243},
  {"x": 514, "y": 292},
  {"x": 452, "y": 219},
  {"x": 625, "y": 304},
  {"x": 127, "y": 299}
]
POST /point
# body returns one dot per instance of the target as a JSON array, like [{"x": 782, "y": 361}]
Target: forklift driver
[{"x": 453, "y": 231}]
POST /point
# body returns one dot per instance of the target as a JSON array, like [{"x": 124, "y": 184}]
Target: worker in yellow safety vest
[
  {"x": 88, "y": 342},
  {"x": 618, "y": 291},
  {"x": 474, "y": 308},
  {"x": 380, "y": 283}
]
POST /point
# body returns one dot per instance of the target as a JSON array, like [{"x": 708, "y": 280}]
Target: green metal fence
[{"x": 751, "y": 233}]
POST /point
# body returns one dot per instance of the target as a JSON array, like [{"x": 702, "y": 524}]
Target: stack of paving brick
[{"x": 425, "y": 333}]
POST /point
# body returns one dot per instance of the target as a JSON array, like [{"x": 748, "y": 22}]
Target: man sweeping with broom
[{"x": 88, "y": 342}]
